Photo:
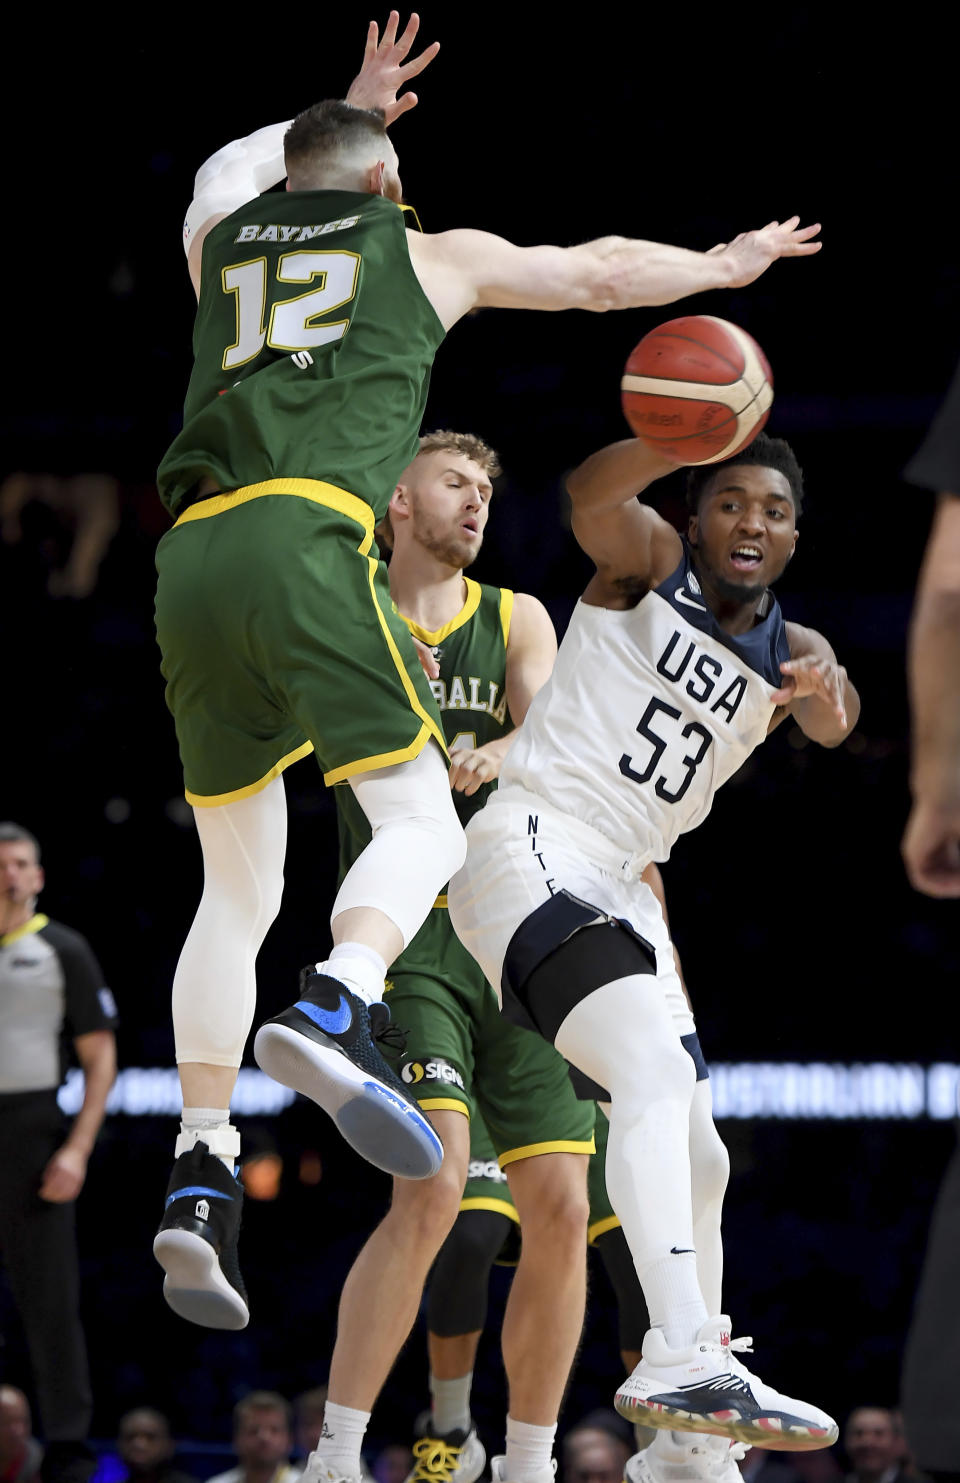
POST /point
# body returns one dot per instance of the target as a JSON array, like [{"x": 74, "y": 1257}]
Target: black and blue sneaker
[
  {"x": 324, "y": 1046},
  {"x": 196, "y": 1244}
]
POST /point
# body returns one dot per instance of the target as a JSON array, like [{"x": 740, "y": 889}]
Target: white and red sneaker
[{"x": 704, "y": 1388}]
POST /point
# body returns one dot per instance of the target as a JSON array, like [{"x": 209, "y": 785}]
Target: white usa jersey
[{"x": 646, "y": 714}]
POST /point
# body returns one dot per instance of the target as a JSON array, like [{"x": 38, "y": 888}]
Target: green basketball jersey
[
  {"x": 312, "y": 348},
  {"x": 470, "y": 693}
]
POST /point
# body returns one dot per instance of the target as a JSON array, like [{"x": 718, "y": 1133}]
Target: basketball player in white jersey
[{"x": 676, "y": 664}]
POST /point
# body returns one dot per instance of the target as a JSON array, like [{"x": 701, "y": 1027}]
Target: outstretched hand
[
  {"x": 811, "y": 674},
  {"x": 751, "y": 253},
  {"x": 385, "y": 71}
]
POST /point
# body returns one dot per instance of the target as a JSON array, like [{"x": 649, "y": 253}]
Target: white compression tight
[
  {"x": 417, "y": 845},
  {"x": 666, "y": 1165}
]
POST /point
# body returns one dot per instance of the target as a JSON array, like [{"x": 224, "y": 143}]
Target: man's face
[
  {"x": 593, "y": 1458},
  {"x": 745, "y": 530},
  {"x": 871, "y": 1441},
  {"x": 21, "y": 878},
  {"x": 262, "y": 1438},
  {"x": 14, "y": 1423},
  {"x": 447, "y": 498},
  {"x": 144, "y": 1441}
]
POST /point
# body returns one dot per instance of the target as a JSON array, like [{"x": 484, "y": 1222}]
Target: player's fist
[{"x": 470, "y": 768}]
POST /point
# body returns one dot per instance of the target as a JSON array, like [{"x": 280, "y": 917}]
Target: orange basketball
[{"x": 697, "y": 389}]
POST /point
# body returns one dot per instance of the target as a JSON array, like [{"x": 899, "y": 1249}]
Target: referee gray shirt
[{"x": 51, "y": 991}]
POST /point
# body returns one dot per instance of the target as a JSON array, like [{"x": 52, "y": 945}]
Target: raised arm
[
  {"x": 531, "y": 651},
  {"x": 464, "y": 270},
  {"x": 631, "y": 545},
  {"x": 247, "y": 167},
  {"x": 816, "y": 690}
]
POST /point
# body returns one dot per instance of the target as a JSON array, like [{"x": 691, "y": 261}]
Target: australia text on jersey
[{"x": 452, "y": 696}]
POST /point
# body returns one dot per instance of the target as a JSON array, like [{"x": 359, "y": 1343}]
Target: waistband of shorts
[
  {"x": 213, "y": 502},
  {"x": 589, "y": 841}
]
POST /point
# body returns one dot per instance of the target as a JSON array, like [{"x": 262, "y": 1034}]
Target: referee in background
[{"x": 52, "y": 997}]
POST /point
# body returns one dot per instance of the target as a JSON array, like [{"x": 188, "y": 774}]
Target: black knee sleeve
[
  {"x": 561, "y": 953},
  {"x": 632, "y": 1315},
  {"x": 457, "y": 1300}
]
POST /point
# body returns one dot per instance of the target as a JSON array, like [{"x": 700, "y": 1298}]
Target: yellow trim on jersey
[
  {"x": 429, "y": 728},
  {"x": 441, "y": 900},
  {"x": 356, "y": 509},
  {"x": 601, "y": 1227},
  {"x": 472, "y": 602},
  {"x": 215, "y": 800},
  {"x": 558, "y": 1145},
  {"x": 316, "y": 490},
  {"x": 36, "y": 922},
  {"x": 506, "y": 613},
  {"x": 414, "y": 215},
  {"x": 444, "y": 1104},
  {"x": 480, "y": 1202}
]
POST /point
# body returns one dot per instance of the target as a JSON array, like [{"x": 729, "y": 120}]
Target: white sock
[
  {"x": 674, "y": 1300},
  {"x": 359, "y": 967},
  {"x": 342, "y": 1438},
  {"x": 212, "y": 1126},
  {"x": 451, "y": 1403},
  {"x": 529, "y": 1451}
]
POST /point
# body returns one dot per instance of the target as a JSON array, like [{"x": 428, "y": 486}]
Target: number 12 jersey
[
  {"x": 312, "y": 348},
  {"x": 647, "y": 713}
]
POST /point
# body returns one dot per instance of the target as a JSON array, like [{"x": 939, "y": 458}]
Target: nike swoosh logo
[
  {"x": 332, "y": 1021},
  {"x": 688, "y": 601},
  {"x": 681, "y": 1250},
  {"x": 193, "y": 1190}
]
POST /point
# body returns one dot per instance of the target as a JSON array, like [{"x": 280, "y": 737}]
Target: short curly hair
[
  {"x": 763, "y": 452},
  {"x": 323, "y": 132}
]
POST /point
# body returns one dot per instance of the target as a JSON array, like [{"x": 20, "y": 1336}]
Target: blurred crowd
[{"x": 272, "y": 1437}]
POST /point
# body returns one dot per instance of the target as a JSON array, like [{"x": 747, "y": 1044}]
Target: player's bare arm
[
  {"x": 816, "y": 690},
  {"x": 246, "y": 167},
  {"x": 931, "y": 844},
  {"x": 531, "y": 651},
  {"x": 464, "y": 270},
  {"x": 632, "y": 546}
]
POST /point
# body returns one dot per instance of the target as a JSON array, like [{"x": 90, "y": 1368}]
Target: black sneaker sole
[
  {"x": 385, "y": 1129},
  {"x": 194, "y": 1286}
]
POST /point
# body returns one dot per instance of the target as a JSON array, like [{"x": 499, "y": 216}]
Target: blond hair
[{"x": 472, "y": 447}]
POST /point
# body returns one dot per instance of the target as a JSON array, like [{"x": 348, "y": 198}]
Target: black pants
[
  {"x": 39, "y": 1251},
  {"x": 933, "y": 1347}
]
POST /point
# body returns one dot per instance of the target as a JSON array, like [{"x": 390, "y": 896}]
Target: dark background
[{"x": 800, "y": 937}]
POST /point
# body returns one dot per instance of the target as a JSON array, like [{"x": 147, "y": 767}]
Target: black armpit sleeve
[{"x": 89, "y": 1004}]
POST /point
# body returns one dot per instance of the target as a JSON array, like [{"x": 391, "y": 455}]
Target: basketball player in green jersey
[
  {"x": 316, "y": 328},
  {"x": 494, "y": 649}
]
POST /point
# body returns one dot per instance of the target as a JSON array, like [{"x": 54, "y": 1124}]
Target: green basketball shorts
[
  {"x": 279, "y": 637},
  {"x": 460, "y": 1050}
]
